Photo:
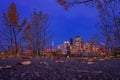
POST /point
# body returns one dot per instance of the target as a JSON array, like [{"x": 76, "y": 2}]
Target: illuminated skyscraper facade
[{"x": 78, "y": 44}]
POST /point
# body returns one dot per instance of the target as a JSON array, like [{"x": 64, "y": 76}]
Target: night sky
[{"x": 77, "y": 21}]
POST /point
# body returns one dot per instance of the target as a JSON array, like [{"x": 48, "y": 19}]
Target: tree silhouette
[
  {"x": 12, "y": 30},
  {"x": 36, "y": 33},
  {"x": 70, "y": 3},
  {"x": 109, "y": 23}
]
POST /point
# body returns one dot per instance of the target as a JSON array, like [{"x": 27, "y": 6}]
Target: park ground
[{"x": 75, "y": 68}]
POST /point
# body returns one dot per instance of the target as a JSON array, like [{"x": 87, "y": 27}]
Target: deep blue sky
[{"x": 77, "y": 21}]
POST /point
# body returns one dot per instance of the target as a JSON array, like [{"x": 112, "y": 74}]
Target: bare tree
[
  {"x": 69, "y": 3},
  {"x": 36, "y": 33},
  {"x": 109, "y": 23},
  {"x": 11, "y": 32}
]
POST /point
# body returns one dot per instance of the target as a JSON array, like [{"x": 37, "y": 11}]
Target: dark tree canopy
[{"x": 96, "y": 3}]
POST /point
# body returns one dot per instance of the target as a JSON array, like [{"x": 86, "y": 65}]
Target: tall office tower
[
  {"x": 66, "y": 46},
  {"x": 78, "y": 44},
  {"x": 71, "y": 41},
  {"x": 52, "y": 45}
]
